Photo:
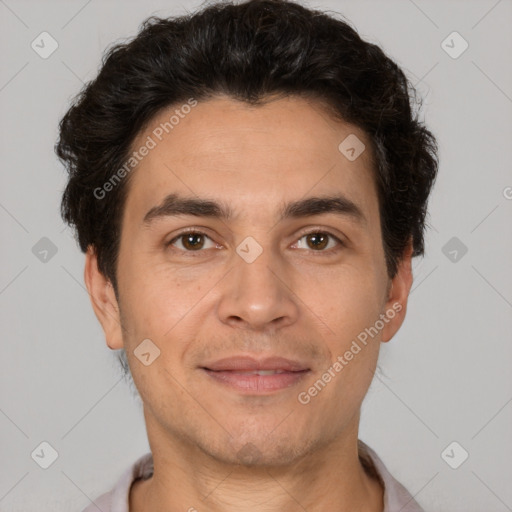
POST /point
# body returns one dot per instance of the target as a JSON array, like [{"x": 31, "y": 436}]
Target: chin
[{"x": 263, "y": 451}]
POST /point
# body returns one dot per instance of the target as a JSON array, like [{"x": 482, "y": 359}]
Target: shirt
[{"x": 396, "y": 496}]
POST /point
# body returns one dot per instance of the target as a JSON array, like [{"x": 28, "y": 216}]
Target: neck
[{"x": 188, "y": 479}]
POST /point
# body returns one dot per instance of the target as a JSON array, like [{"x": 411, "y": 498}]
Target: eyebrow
[{"x": 175, "y": 205}]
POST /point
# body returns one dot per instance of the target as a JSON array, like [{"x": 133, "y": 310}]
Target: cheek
[
  {"x": 155, "y": 308},
  {"x": 163, "y": 305},
  {"x": 154, "y": 299},
  {"x": 354, "y": 308},
  {"x": 350, "y": 299}
]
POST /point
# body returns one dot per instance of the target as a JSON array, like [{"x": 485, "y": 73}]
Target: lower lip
[{"x": 257, "y": 384}]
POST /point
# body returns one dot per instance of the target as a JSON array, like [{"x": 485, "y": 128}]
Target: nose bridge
[
  {"x": 258, "y": 270},
  {"x": 256, "y": 293}
]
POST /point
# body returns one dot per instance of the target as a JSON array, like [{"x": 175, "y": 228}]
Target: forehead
[{"x": 254, "y": 157}]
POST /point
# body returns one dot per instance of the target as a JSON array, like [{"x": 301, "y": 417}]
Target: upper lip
[{"x": 247, "y": 363}]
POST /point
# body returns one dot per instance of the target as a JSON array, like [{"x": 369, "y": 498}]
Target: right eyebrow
[{"x": 173, "y": 205}]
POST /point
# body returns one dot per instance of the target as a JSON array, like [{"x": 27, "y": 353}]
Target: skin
[{"x": 294, "y": 300}]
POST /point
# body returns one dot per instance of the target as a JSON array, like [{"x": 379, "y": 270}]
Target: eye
[
  {"x": 191, "y": 241},
  {"x": 319, "y": 241}
]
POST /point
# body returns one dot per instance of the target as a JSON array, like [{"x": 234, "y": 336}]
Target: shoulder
[
  {"x": 117, "y": 500},
  {"x": 396, "y": 496},
  {"x": 103, "y": 503}
]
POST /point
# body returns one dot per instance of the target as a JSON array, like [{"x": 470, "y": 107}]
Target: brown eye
[
  {"x": 191, "y": 242},
  {"x": 317, "y": 241}
]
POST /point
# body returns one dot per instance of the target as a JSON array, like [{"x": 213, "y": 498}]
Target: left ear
[{"x": 396, "y": 304}]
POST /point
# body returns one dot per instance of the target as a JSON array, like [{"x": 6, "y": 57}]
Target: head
[{"x": 273, "y": 131}]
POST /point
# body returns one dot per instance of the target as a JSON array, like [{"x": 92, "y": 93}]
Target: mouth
[{"x": 252, "y": 376}]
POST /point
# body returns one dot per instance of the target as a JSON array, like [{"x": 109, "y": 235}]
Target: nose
[{"x": 258, "y": 295}]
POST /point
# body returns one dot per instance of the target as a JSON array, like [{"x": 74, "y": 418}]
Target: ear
[
  {"x": 103, "y": 300},
  {"x": 396, "y": 304}
]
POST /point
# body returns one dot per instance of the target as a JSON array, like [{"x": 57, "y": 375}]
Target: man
[{"x": 249, "y": 185}]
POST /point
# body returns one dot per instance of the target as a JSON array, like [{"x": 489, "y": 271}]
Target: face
[{"x": 255, "y": 281}]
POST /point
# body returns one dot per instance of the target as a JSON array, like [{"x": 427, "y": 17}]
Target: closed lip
[{"x": 247, "y": 363}]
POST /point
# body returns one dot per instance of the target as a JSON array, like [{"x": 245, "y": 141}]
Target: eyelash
[{"x": 312, "y": 232}]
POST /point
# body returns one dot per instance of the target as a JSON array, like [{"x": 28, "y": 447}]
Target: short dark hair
[{"x": 248, "y": 51}]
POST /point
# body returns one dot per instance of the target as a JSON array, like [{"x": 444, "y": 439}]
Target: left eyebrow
[
  {"x": 310, "y": 206},
  {"x": 174, "y": 205}
]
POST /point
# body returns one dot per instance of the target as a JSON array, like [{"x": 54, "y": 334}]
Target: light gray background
[{"x": 445, "y": 377}]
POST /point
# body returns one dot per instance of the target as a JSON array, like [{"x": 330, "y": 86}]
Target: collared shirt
[{"x": 396, "y": 496}]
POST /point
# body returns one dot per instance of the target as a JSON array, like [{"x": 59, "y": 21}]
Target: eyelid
[
  {"x": 319, "y": 229},
  {"x": 193, "y": 231},
  {"x": 325, "y": 231},
  {"x": 302, "y": 234}
]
